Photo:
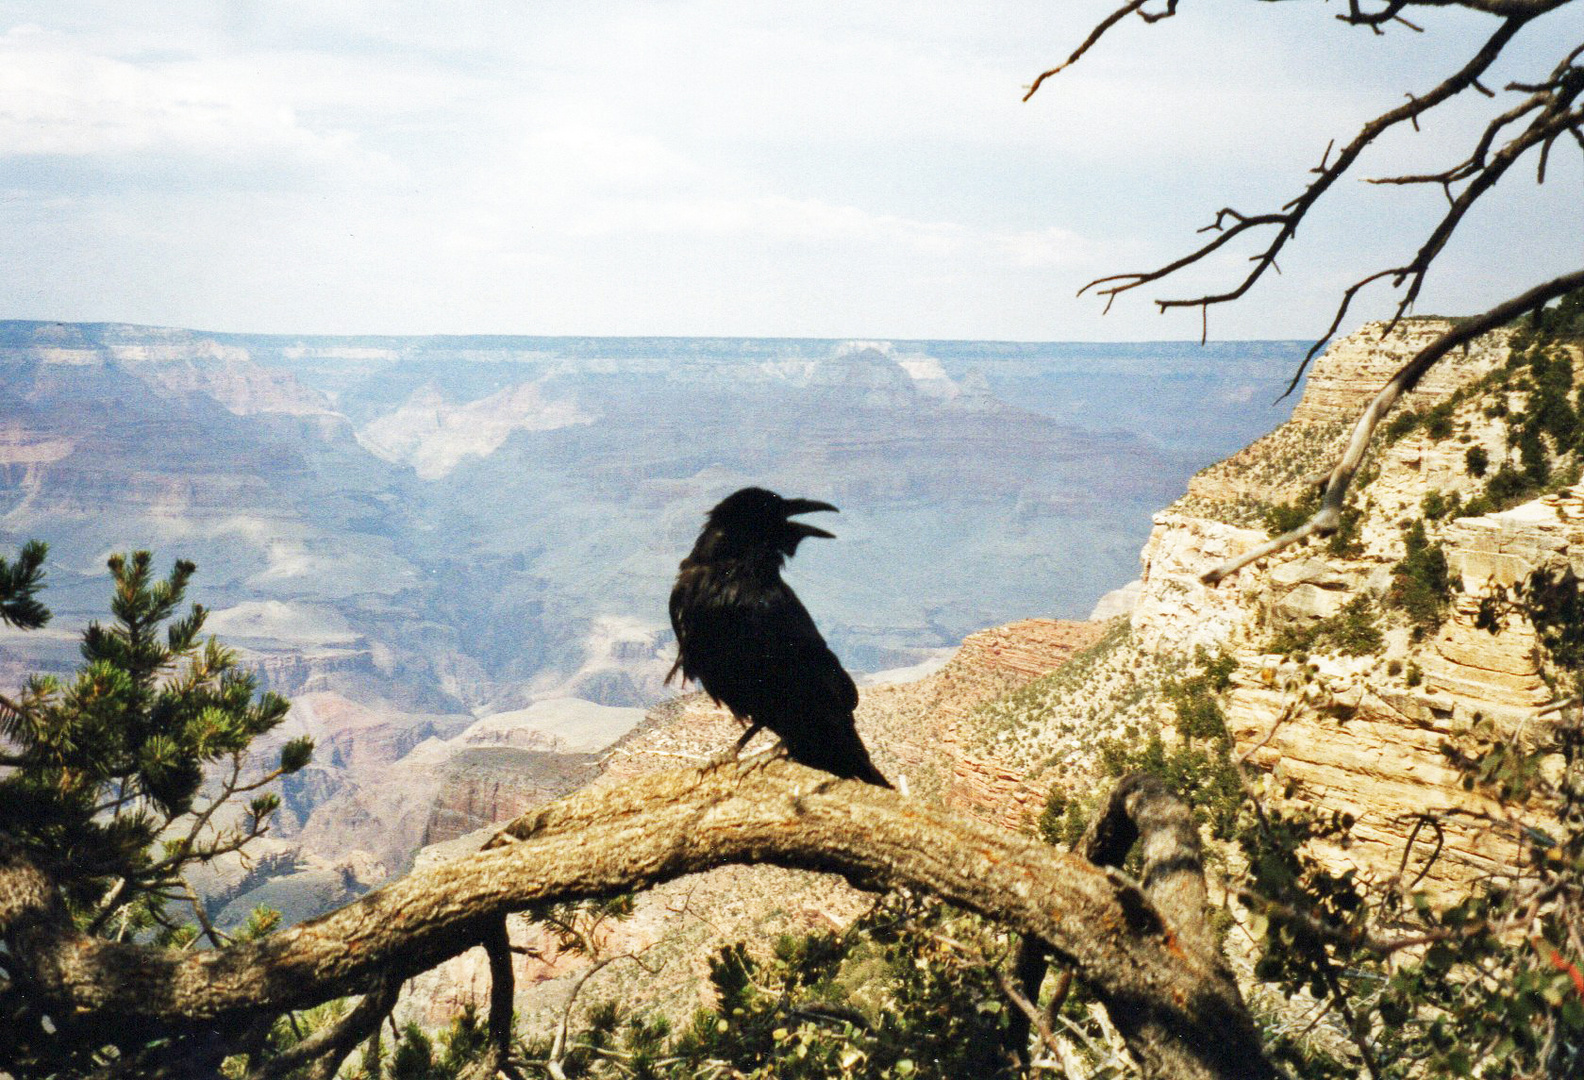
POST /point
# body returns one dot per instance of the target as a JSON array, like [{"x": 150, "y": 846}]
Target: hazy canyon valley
[{"x": 453, "y": 554}]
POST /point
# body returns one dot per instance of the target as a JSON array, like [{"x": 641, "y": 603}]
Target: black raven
[{"x": 745, "y": 637}]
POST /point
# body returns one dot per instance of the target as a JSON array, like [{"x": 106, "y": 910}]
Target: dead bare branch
[
  {"x": 1292, "y": 213},
  {"x": 1099, "y": 31},
  {"x": 1549, "y": 105}
]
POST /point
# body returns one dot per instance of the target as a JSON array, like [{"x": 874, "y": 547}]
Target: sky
[{"x": 693, "y": 167}]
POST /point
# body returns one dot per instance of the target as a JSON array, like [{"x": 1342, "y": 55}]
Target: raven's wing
[
  {"x": 793, "y": 644},
  {"x": 753, "y": 646},
  {"x": 681, "y": 601},
  {"x": 813, "y": 710}
]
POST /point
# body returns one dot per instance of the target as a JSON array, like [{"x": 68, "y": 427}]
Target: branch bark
[{"x": 1175, "y": 1002}]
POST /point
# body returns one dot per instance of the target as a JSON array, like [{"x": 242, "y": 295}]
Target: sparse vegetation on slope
[
  {"x": 1279, "y": 468},
  {"x": 1054, "y": 725}
]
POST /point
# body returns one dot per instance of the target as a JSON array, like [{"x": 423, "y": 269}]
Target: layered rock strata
[{"x": 1365, "y": 734}]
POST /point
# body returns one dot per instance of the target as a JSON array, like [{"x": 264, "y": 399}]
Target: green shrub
[
  {"x": 1064, "y": 820},
  {"x": 1507, "y": 488},
  {"x": 1438, "y": 421},
  {"x": 1437, "y": 505},
  {"x": 1345, "y": 543},
  {"x": 1401, "y": 424},
  {"x": 1564, "y": 320},
  {"x": 1205, "y": 776},
  {"x": 1351, "y": 632},
  {"x": 903, "y": 992},
  {"x": 1198, "y": 766},
  {"x": 1476, "y": 459},
  {"x": 1421, "y": 585},
  {"x": 107, "y": 791},
  {"x": 1288, "y": 516},
  {"x": 1199, "y": 714},
  {"x": 1553, "y": 600},
  {"x": 1532, "y": 457}
]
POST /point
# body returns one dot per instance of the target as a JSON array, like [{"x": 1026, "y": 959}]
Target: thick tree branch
[
  {"x": 1326, "y": 518},
  {"x": 1139, "y": 811},
  {"x": 1142, "y": 811},
  {"x": 1177, "y": 1005}
]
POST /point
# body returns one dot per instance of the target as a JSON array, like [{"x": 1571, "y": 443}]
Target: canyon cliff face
[
  {"x": 1365, "y": 734},
  {"x": 1357, "y": 726}
]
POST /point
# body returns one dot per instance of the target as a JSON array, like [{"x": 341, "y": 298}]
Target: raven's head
[{"x": 754, "y": 519}]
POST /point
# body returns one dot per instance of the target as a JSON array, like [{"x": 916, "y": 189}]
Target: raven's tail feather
[
  {"x": 871, "y": 775},
  {"x": 838, "y": 751}
]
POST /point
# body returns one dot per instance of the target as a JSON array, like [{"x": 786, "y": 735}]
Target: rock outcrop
[
  {"x": 1365, "y": 733},
  {"x": 484, "y": 785},
  {"x": 928, "y": 726},
  {"x": 1354, "y": 368}
]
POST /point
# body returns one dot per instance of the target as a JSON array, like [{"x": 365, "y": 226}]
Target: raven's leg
[
  {"x": 765, "y": 757},
  {"x": 754, "y": 728},
  {"x": 726, "y": 757}
]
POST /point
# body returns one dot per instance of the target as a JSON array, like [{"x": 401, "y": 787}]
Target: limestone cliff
[{"x": 1358, "y": 723}]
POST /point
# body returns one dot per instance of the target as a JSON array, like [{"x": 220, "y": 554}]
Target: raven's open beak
[{"x": 807, "y": 506}]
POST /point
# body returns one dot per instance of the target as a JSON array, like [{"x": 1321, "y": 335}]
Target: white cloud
[
  {"x": 59, "y": 98},
  {"x": 587, "y": 182},
  {"x": 695, "y": 166}
]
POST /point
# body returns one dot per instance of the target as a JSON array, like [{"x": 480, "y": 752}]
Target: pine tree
[
  {"x": 20, "y": 582},
  {"x": 120, "y": 778}
]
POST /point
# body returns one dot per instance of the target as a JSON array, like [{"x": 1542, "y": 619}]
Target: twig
[
  {"x": 1286, "y": 715},
  {"x": 216, "y": 938},
  {"x": 1099, "y": 31},
  {"x": 327, "y": 1048},
  {"x": 1084, "y": 1037},
  {"x": 1027, "y": 1008},
  {"x": 558, "y": 1046}
]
